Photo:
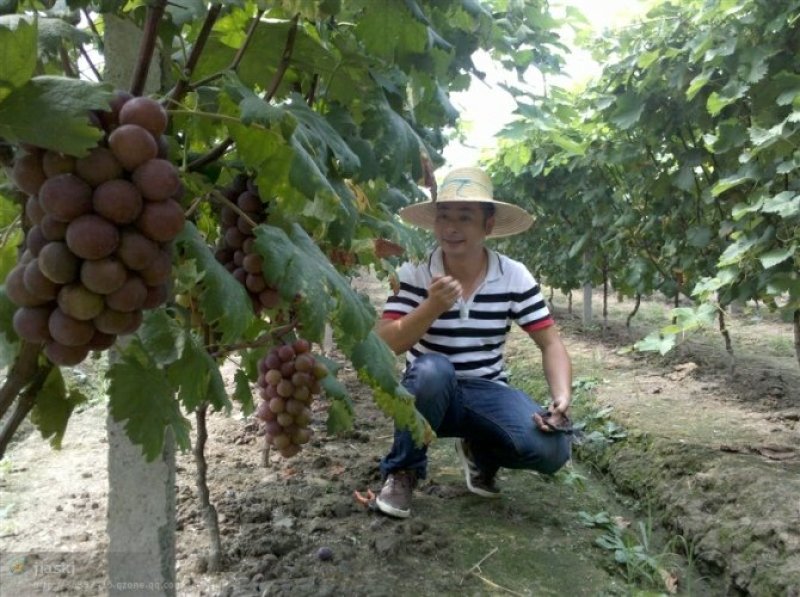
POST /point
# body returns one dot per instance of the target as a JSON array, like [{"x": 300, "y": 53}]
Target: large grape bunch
[
  {"x": 236, "y": 246},
  {"x": 289, "y": 378},
  {"x": 98, "y": 250}
]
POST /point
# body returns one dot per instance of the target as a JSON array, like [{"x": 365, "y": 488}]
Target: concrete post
[
  {"x": 141, "y": 494},
  {"x": 141, "y": 517}
]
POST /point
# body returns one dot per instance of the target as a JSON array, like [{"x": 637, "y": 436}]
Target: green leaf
[
  {"x": 629, "y": 109},
  {"x": 733, "y": 91},
  {"x": 141, "y": 396},
  {"x": 52, "y": 112},
  {"x": 340, "y": 417},
  {"x": 186, "y": 11},
  {"x": 656, "y": 342},
  {"x": 772, "y": 258},
  {"x": 736, "y": 251},
  {"x": 161, "y": 336},
  {"x": 698, "y": 83},
  {"x": 53, "y": 407},
  {"x": 408, "y": 35},
  {"x": 224, "y": 302},
  {"x": 9, "y": 341},
  {"x": 53, "y": 33},
  {"x": 786, "y": 204},
  {"x": 295, "y": 265},
  {"x": 316, "y": 133},
  {"x": 699, "y": 236},
  {"x": 17, "y": 53},
  {"x": 730, "y": 182},
  {"x": 242, "y": 392},
  {"x": 197, "y": 377}
]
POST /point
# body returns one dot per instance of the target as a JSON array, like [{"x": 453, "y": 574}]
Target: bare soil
[{"x": 705, "y": 463}]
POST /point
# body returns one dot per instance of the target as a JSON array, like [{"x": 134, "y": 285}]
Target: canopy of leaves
[
  {"x": 676, "y": 170},
  {"x": 335, "y": 110}
]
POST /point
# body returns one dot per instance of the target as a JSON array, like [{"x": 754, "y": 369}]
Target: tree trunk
[
  {"x": 725, "y": 334},
  {"x": 569, "y": 302},
  {"x": 208, "y": 509},
  {"x": 797, "y": 334},
  {"x": 605, "y": 297},
  {"x": 635, "y": 310}
]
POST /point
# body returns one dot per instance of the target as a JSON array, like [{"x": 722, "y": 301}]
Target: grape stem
[
  {"x": 225, "y": 201},
  {"x": 263, "y": 340},
  {"x": 25, "y": 373},
  {"x": 155, "y": 12},
  {"x": 182, "y": 86},
  {"x": 237, "y": 58},
  {"x": 219, "y": 150}
]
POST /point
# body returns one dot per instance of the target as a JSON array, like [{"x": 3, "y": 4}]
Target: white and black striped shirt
[{"x": 473, "y": 332}]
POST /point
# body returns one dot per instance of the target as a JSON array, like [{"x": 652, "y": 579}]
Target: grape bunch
[
  {"x": 98, "y": 250},
  {"x": 236, "y": 251},
  {"x": 289, "y": 377}
]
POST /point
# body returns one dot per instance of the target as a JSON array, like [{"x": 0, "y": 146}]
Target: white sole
[
  {"x": 468, "y": 475},
  {"x": 391, "y": 510}
]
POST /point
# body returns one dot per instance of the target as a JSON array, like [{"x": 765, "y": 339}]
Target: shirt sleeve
[
  {"x": 407, "y": 298},
  {"x": 528, "y": 307}
]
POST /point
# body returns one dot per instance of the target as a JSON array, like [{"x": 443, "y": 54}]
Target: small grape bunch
[
  {"x": 289, "y": 378},
  {"x": 236, "y": 250}
]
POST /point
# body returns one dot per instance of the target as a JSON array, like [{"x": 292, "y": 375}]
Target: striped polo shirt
[{"x": 472, "y": 334}]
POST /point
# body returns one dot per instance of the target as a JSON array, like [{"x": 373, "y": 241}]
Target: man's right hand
[{"x": 443, "y": 292}]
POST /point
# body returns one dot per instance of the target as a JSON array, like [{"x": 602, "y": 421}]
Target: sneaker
[
  {"x": 395, "y": 496},
  {"x": 478, "y": 482}
]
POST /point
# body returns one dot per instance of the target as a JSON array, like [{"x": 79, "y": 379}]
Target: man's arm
[
  {"x": 557, "y": 370},
  {"x": 401, "y": 334}
]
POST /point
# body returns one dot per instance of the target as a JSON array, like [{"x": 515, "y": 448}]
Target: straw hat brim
[{"x": 509, "y": 219}]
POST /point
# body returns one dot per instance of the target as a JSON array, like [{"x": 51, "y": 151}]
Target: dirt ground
[{"x": 692, "y": 460}]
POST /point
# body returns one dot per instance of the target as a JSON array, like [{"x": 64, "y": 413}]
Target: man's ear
[{"x": 489, "y": 225}]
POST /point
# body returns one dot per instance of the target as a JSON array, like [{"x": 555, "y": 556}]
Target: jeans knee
[
  {"x": 429, "y": 375},
  {"x": 547, "y": 455}
]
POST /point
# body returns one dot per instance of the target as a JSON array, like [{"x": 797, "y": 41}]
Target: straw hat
[{"x": 469, "y": 184}]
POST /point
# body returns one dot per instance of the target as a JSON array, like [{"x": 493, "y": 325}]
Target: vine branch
[
  {"x": 262, "y": 340},
  {"x": 182, "y": 86},
  {"x": 237, "y": 58},
  {"x": 155, "y": 12},
  {"x": 286, "y": 57},
  {"x": 219, "y": 150}
]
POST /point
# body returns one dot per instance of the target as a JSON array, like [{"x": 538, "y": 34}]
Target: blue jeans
[{"x": 494, "y": 418}]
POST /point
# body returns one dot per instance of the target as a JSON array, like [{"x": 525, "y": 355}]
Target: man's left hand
[{"x": 555, "y": 419}]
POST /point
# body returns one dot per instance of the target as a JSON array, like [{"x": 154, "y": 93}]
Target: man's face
[{"x": 461, "y": 227}]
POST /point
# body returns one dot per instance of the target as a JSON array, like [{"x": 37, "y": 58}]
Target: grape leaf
[
  {"x": 53, "y": 407},
  {"x": 141, "y": 396},
  {"x": 197, "y": 377},
  {"x": 51, "y": 112},
  {"x": 776, "y": 256},
  {"x": 9, "y": 341},
  {"x": 628, "y": 111},
  {"x": 54, "y": 32},
  {"x": 161, "y": 336},
  {"x": 295, "y": 265},
  {"x": 340, "y": 417},
  {"x": 656, "y": 342},
  {"x": 224, "y": 302},
  {"x": 381, "y": 16},
  {"x": 321, "y": 136},
  {"x": 242, "y": 392},
  {"x": 18, "y": 52}
]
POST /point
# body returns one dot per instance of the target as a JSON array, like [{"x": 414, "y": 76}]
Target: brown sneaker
[
  {"x": 395, "y": 496},
  {"x": 478, "y": 482}
]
